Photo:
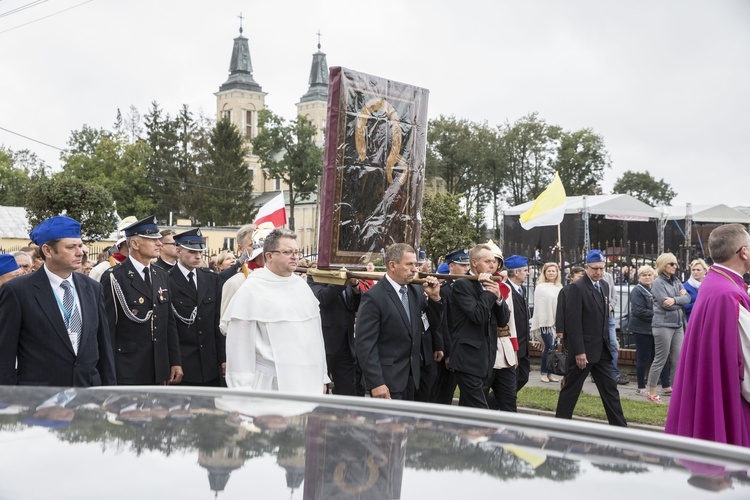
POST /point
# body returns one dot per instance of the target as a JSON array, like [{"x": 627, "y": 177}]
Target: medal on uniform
[{"x": 140, "y": 300}]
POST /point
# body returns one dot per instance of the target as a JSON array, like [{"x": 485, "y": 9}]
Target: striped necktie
[{"x": 72, "y": 315}]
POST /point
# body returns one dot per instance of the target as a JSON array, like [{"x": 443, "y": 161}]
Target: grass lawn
[{"x": 590, "y": 406}]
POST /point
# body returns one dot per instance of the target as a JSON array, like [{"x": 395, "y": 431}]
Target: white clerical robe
[{"x": 274, "y": 335}]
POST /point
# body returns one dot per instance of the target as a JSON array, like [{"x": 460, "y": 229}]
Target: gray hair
[
  {"x": 244, "y": 232},
  {"x": 271, "y": 242},
  {"x": 395, "y": 252},
  {"x": 724, "y": 241}
]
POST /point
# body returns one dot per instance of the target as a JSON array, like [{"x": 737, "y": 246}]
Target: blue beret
[
  {"x": 191, "y": 240},
  {"x": 145, "y": 227},
  {"x": 595, "y": 256},
  {"x": 516, "y": 262},
  {"x": 443, "y": 269},
  {"x": 457, "y": 256},
  {"x": 55, "y": 228},
  {"x": 7, "y": 263}
]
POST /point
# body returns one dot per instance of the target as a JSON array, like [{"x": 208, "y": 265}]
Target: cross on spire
[
  {"x": 241, "y": 18},
  {"x": 319, "y": 35}
]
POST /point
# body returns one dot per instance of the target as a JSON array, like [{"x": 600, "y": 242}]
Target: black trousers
[
  {"x": 503, "y": 385},
  {"x": 427, "y": 376},
  {"x": 408, "y": 394},
  {"x": 343, "y": 371},
  {"x": 445, "y": 385},
  {"x": 472, "y": 387},
  {"x": 522, "y": 373},
  {"x": 605, "y": 384}
]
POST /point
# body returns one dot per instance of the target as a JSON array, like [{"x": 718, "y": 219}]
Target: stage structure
[{"x": 373, "y": 174}]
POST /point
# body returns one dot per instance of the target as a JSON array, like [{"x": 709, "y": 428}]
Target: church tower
[
  {"x": 240, "y": 99},
  {"x": 314, "y": 104}
]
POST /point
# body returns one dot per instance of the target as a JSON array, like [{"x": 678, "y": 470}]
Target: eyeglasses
[
  {"x": 286, "y": 253},
  {"x": 743, "y": 246},
  {"x": 673, "y": 264},
  {"x": 174, "y": 244}
]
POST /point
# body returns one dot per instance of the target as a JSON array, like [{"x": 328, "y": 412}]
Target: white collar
[
  {"x": 137, "y": 265},
  {"x": 184, "y": 270},
  {"x": 727, "y": 269},
  {"x": 395, "y": 285},
  {"x": 55, "y": 281}
]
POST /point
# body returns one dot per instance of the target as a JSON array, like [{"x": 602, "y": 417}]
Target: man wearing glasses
[
  {"x": 169, "y": 253},
  {"x": 587, "y": 341},
  {"x": 274, "y": 333}
]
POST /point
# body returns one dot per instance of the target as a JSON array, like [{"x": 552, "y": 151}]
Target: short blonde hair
[
  {"x": 699, "y": 261},
  {"x": 646, "y": 269},
  {"x": 663, "y": 260},
  {"x": 542, "y": 275}
]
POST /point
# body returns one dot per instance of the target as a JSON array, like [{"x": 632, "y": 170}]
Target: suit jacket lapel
[
  {"x": 597, "y": 295},
  {"x": 136, "y": 279},
  {"x": 201, "y": 288},
  {"x": 398, "y": 304},
  {"x": 47, "y": 303},
  {"x": 182, "y": 284},
  {"x": 86, "y": 306}
]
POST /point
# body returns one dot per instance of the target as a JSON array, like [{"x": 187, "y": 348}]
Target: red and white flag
[{"x": 274, "y": 211}]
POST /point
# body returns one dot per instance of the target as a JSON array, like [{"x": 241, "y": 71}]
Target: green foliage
[
  {"x": 226, "y": 184},
  {"x": 444, "y": 226},
  {"x": 581, "y": 161},
  {"x": 645, "y": 187},
  {"x": 88, "y": 203},
  {"x": 288, "y": 151},
  {"x": 14, "y": 180}
]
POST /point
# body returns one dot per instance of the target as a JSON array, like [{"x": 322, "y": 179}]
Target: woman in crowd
[
  {"x": 545, "y": 305},
  {"x": 698, "y": 270},
  {"x": 667, "y": 324},
  {"x": 641, "y": 314},
  {"x": 225, "y": 260}
]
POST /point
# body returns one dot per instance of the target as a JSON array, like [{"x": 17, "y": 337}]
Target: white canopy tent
[
  {"x": 713, "y": 214},
  {"x": 611, "y": 206}
]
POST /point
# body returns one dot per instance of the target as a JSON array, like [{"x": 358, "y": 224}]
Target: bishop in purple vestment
[{"x": 706, "y": 400}]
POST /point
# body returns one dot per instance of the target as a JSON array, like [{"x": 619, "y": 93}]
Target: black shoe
[{"x": 623, "y": 380}]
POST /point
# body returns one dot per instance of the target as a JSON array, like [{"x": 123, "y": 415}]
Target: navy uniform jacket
[
  {"x": 387, "y": 343},
  {"x": 521, "y": 318},
  {"x": 33, "y": 330},
  {"x": 338, "y": 307},
  {"x": 144, "y": 352},
  {"x": 586, "y": 319},
  {"x": 476, "y": 316},
  {"x": 202, "y": 346}
]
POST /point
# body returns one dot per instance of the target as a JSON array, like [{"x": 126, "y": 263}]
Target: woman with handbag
[
  {"x": 639, "y": 324},
  {"x": 545, "y": 306}
]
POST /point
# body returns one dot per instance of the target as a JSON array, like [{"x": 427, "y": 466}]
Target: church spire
[
  {"x": 240, "y": 67},
  {"x": 318, "y": 81}
]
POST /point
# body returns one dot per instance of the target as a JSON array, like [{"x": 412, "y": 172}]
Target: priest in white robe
[{"x": 274, "y": 333}]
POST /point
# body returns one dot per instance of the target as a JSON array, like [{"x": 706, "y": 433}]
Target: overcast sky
[{"x": 666, "y": 83}]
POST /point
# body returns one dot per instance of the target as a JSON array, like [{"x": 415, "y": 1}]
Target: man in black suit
[
  {"x": 137, "y": 299},
  {"x": 338, "y": 307},
  {"x": 53, "y": 321},
  {"x": 392, "y": 318},
  {"x": 587, "y": 340},
  {"x": 168, "y": 254},
  {"x": 445, "y": 385},
  {"x": 478, "y": 309},
  {"x": 196, "y": 300},
  {"x": 518, "y": 271}
]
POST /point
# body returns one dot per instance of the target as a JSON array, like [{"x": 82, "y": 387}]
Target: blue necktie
[
  {"x": 72, "y": 315},
  {"x": 405, "y": 300}
]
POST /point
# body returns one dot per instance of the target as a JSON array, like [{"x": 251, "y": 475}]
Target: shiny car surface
[{"x": 155, "y": 442}]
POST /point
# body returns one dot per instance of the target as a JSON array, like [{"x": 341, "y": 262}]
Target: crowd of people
[{"x": 153, "y": 311}]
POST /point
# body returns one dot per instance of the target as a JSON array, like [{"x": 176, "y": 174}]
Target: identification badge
[{"x": 425, "y": 322}]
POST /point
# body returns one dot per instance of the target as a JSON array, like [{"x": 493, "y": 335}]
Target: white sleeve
[
  {"x": 745, "y": 343},
  {"x": 241, "y": 337}
]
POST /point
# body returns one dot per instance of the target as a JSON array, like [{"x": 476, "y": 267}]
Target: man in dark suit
[
  {"x": 168, "y": 254},
  {"x": 478, "y": 309},
  {"x": 53, "y": 321},
  {"x": 338, "y": 307},
  {"x": 518, "y": 271},
  {"x": 393, "y": 316},
  {"x": 196, "y": 300},
  {"x": 137, "y": 299},
  {"x": 587, "y": 340},
  {"x": 445, "y": 385}
]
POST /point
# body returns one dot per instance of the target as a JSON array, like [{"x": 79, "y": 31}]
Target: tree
[
  {"x": 444, "y": 226},
  {"x": 165, "y": 179},
  {"x": 643, "y": 186},
  {"x": 450, "y": 152},
  {"x": 15, "y": 177},
  {"x": 226, "y": 184},
  {"x": 288, "y": 151},
  {"x": 581, "y": 161},
  {"x": 89, "y": 204}
]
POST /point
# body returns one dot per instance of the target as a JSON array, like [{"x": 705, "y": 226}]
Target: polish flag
[{"x": 274, "y": 211}]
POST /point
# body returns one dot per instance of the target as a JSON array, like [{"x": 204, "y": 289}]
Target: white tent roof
[
  {"x": 720, "y": 214},
  {"x": 617, "y": 206}
]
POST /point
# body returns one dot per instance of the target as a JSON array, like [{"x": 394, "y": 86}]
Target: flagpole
[{"x": 559, "y": 247}]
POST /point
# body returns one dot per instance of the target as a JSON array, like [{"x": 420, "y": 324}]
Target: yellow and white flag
[{"x": 549, "y": 207}]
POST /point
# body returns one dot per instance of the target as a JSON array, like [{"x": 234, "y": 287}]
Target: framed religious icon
[{"x": 373, "y": 175}]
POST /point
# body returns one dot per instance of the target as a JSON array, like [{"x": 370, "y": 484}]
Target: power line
[
  {"x": 45, "y": 17},
  {"x": 31, "y": 139}
]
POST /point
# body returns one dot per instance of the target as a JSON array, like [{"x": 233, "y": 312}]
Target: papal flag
[{"x": 549, "y": 207}]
